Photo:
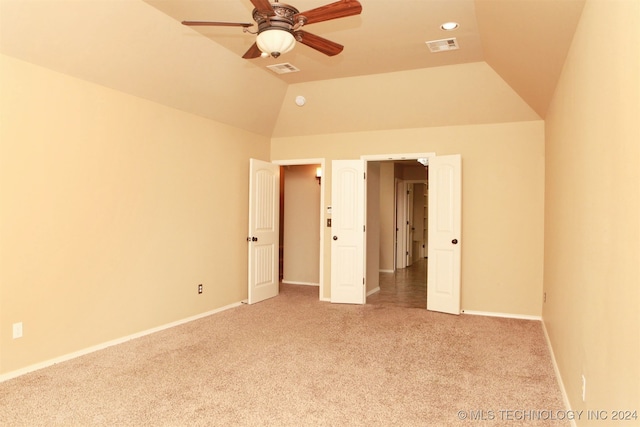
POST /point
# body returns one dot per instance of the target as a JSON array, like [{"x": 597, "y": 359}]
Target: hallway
[{"x": 404, "y": 288}]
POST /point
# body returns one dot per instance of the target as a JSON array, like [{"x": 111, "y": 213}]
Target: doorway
[
  {"x": 444, "y": 225},
  {"x": 402, "y": 218},
  {"x": 300, "y": 236},
  {"x": 411, "y": 219},
  {"x": 443, "y": 268}
]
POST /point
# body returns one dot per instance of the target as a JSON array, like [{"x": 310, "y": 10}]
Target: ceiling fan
[{"x": 280, "y": 26}]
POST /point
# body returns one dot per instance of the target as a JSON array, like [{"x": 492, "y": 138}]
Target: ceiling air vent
[
  {"x": 283, "y": 68},
  {"x": 443, "y": 45}
]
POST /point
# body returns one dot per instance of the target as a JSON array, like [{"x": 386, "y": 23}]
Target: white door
[
  {"x": 263, "y": 237},
  {"x": 410, "y": 225},
  {"x": 443, "y": 267},
  {"x": 401, "y": 222},
  {"x": 347, "y": 232}
]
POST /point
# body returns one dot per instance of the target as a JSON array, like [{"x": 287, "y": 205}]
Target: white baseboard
[
  {"x": 495, "y": 314},
  {"x": 291, "y": 282},
  {"x": 64, "y": 358},
  {"x": 373, "y": 291},
  {"x": 565, "y": 398},
  {"x": 563, "y": 390},
  {"x": 386, "y": 271}
]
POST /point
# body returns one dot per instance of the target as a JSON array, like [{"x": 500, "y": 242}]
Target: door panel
[
  {"x": 263, "y": 240},
  {"x": 347, "y": 230},
  {"x": 410, "y": 225},
  {"x": 401, "y": 229},
  {"x": 443, "y": 270}
]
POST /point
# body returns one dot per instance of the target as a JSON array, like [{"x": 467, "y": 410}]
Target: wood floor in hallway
[{"x": 406, "y": 287}]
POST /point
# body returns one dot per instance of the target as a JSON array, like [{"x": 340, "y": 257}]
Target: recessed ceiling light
[{"x": 449, "y": 26}]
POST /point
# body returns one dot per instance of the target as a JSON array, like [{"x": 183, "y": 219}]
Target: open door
[
  {"x": 410, "y": 225},
  {"x": 401, "y": 229},
  {"x": 263, "y": 240},
  {"x": 443, "y": 268},
  {"x": 347, "y": 232}
]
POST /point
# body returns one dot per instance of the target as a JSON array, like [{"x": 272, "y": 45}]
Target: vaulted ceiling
[{"x": 512, "y": 47}]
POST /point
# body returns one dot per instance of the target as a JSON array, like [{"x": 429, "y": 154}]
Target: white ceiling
[{"x": 140, "y": 47}]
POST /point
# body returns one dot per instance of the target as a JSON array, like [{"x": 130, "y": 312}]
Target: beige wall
[
  {"x": 301, "y": 225},
  {"x": 454, "y": 95},
  {"x": 502, "y": 201},
  {"x": 113, "y": 210},
  {"x": 592, "y": 212}
]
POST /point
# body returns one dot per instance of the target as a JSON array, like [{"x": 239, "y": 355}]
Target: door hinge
[
  {"x": 363, "y": 280},
  {"x": 365, "y": 175},
  {"x": 364, "y": 228}
]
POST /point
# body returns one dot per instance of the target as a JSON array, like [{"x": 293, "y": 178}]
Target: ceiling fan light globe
[{"x": 275, "y": 42}]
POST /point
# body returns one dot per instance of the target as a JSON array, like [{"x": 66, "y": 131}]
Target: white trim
[
  {"x": 373, "y": 291},
  {"x": 507, "y": 315},
  {"x": 290, "y": 282},
  {"x": 321, "y": 162},
  {"x": 386, "y": 271},
  {"x": 556, "y": 370},
  {"x": 75, "y": 354},
  {"x": 406, "y": 156},
  {"x": 563, "y": 390},
  {"x": 296, "y": 162}
]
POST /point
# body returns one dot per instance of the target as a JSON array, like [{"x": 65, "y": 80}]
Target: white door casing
[
  {"x": 263, "y": 237},
  {"x": 410, "y": 225},
  {"x": 401, "y": 229},
  {"x": 443, "y": 268},
  {"x": 347, "y": 232}
]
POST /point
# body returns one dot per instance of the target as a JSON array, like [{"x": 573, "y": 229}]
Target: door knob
[
  {"x": 454, "y": 241},
  {"x": 335, "y": 237}
]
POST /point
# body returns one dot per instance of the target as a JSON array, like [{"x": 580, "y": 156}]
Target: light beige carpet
[{"x": 295, "y": 361}]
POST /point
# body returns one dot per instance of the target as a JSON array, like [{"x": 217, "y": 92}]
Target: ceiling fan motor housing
[{"x": 283, "y": 19}]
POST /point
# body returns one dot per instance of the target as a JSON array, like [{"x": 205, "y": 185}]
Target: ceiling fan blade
[
  {"x": 339, "y": 9},
  {"x": 216, "y": 24},
  {"x": 319, "y": 43},
  {"x": 264, "y": 7},
  {"x": 253, "y": 52}
]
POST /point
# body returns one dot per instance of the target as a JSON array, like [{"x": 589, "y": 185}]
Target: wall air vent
[
  {"x": 443, "y": 45},
  {"x": 283, "y": 68}
]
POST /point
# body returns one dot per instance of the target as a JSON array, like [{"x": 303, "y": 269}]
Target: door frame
[
  {"x": 400, "y": 218},
  {"x": 321, "y": 162},
  {"x": 403, "y": 244},
  {"x": 390, "y": 157},
  {"x": 414, "y": 156}
]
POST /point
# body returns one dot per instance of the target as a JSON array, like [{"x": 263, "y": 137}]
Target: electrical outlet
[
  {"x": 17, "y": 330},
  {"x": 200, "y": 288},
  {"x": 584, "y": 388}
]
